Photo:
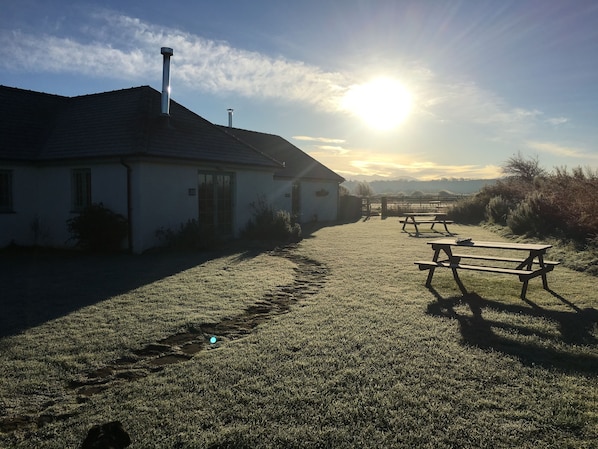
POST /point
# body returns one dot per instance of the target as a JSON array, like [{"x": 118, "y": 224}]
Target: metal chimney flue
[
  {"x": 167, "y": 53},
  {"x": 230, "y": 117}
]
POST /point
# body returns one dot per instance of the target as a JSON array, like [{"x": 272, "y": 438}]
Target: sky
[{"x": 373, "y": 89}]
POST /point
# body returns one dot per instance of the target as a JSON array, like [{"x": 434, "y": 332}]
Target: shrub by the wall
[
  {"x": 270, "y": 225},
  {"x": 97, "y": 228},
  {"x": 189, "y": 236}
]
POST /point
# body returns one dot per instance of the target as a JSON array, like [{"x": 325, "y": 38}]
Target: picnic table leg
[
  {"x": 458, "y": 281},
  {"x": 430, "y": 275},
  {"x": 527, "y": 264},
  {"x": 524, "y": 288},
  {"x": 431, "y": 270},
  {"x": 543, "y": 266},
  {"x": 414, "y": 224},
  {"x": 454, "y": 259},
  {"x": 445, "y": 228}
]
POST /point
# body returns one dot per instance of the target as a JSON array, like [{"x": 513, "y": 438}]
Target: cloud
[
  {"x": 356, "y": 163},
  {"x": 112, "y": 45},
  {"x": 122, "y": 47},
  {"x": 555, "y": 121},
  {"x": 330, "y": 149},
  {"x": 466, "y": 102},
  {"x": 44, "y": 53},
  {"x": 319, "y": 139},
  {"x": 561, "y": 150}
]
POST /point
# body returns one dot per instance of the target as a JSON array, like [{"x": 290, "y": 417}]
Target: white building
[{"x": 157, "y": 168}]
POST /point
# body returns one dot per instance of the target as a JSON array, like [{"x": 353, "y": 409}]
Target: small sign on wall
[{"x": 192, "y": 192}]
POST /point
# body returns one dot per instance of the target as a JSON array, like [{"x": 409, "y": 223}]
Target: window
[
  {"x": 296, "y": 200},
  {"x": 81, "y": 188},
  {"x": 6, "y": 191},
  {"x": 215, "y": 197}
]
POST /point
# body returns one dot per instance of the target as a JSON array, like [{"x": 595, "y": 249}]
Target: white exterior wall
[
  {"x": 250, "y": 187},
  {"x": 108, "y": 186},
  {"x": 17, "y": 226},
  {"x": 280, "y": 197},
  {"x": 160, "y": 195},
  {"x": 161, "y": 198},
  {"x": 42, "y": 202},
  {"x": 325, "y": 208},
  {"x": 315, "y": 207}
]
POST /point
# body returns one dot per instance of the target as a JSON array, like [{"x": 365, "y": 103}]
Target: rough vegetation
[
  {"x": 531, "y": 202},
  {"x": 271, "y": 225},
  {"x": 98, "y": 228},
  {"x": 189, "y": 236}
]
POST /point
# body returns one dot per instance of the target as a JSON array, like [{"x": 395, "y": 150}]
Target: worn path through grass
[{"x": 371, "y": 358}]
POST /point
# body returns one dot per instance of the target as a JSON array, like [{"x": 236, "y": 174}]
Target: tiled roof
[
  {"x": 297, "y": 164},
  {"x": 41, "y": 127},
  {"x": 26, "y": 121}
]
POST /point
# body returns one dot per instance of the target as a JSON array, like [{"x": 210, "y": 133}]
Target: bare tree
[
  {"x": 364, "y": 189},
  {"x": 524, "y": 168}
]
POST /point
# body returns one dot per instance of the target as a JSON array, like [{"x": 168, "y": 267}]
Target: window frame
[
  {"x": 220, "y": 201},
  {"x": 80, "y": 189}
]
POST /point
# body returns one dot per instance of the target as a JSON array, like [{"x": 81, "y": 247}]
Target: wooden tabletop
[
  {"x": 424, "y": 214},
  {"x": 497, "y": 245}
]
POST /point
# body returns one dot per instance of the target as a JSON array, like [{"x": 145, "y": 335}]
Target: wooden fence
[{"x": 396, "y": 205}]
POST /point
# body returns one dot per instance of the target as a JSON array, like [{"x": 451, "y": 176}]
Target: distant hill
[{"x": 408, "y": 186}]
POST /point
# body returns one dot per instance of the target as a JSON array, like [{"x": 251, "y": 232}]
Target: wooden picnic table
[
  {"x": 530, "y": 265},
  {"x": 419, "y": 218}
]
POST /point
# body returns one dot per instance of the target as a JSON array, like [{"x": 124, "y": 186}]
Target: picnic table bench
[
  {"x": 418, "y": 218},
  {"x": 529, "y": 266}
]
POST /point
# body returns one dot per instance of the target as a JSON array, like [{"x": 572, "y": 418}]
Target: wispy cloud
[
  {"x": 112, "y": 45},
  {"x": 44, "y": 53},
  {"x": 122, "y": 47},
  {"x": 117, "y": 46},
  {"x": 362, "y": 162},
  {"x": 467, "y": 102},
  {"x": 561, "y": 150},
  {"x": 556, "y": 121},
  {"x": 319, "y": 139}
]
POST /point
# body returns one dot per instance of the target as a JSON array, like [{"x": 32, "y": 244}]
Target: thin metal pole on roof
[{"x": 230, "y": 117}]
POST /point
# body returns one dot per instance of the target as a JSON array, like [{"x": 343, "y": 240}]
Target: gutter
[{"x": 129, "y": 205}]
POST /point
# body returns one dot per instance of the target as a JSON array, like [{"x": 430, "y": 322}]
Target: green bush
[
  {"x": 271, "y": 225},
  {"x": 190, "y": 235},
  {"x": 497, "y": 210},
  {"x": 469, "y": 211},
  {"x": 97, "y": 228},
  {"x": 531, "y": 217},
  {"x": 561, "y": 204}
]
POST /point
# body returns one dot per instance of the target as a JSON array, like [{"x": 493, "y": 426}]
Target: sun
[{"x": 383, "y": 103}]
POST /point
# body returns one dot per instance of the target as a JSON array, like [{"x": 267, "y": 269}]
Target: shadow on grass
[
  {"x": 551, "y": 351},
  {"x": 37, "y": 286}
]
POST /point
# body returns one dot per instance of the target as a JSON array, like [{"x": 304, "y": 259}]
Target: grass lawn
[{"x": 333, "y": 343}]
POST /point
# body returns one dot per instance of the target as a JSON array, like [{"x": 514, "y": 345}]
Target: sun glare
[{"x": 383, "y": 103}]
